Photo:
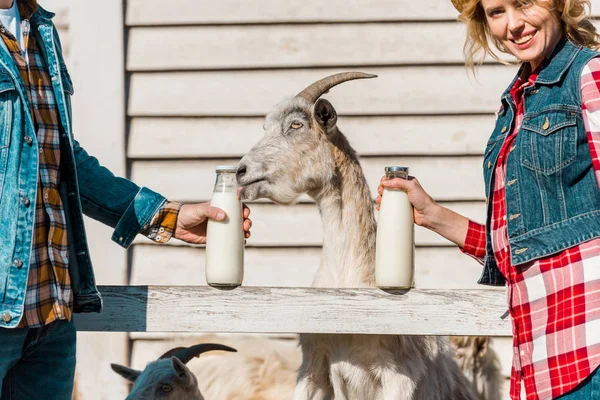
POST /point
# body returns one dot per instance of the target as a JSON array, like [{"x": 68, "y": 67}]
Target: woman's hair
[{"x": 575, "y": 21}]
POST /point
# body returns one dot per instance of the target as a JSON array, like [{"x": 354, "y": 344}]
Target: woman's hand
[
  {"x": 423, "y": 205},
  {"x": 427, "y": 212},
  {"x": 193, "y": 220}
]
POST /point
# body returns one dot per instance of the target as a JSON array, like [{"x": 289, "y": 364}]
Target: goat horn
[
  {"x": 320, "y": 87},
  {"x": 185, "y": 354}
]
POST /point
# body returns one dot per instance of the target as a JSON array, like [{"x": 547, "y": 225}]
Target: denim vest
[
  {"x": 552, "y": 196},
  {"x": 85, "y": 187}
]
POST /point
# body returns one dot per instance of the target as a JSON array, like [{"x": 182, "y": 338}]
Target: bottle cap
[
  {"x": 396, "y": 169},
  {"x": 226, "y": 168}
]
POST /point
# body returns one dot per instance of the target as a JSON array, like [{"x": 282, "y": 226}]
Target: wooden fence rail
[{"x": 299, "y": 310}]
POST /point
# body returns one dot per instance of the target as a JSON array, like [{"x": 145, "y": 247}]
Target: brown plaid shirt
[{"x": 49, "y": 297}]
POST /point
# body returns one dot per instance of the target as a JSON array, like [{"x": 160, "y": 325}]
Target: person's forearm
[{"x": 449, "y": 224}]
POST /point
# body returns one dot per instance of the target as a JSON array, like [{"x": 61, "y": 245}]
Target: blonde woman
[{"x": 541, "y": 170}]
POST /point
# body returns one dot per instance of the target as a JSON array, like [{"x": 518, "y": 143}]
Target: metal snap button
[
  {"x": 546, "y": 124},
  {"x": 18, "y": 263},
  {"x": 28, "y": 139},
  {"x": 6, "y": 317}
]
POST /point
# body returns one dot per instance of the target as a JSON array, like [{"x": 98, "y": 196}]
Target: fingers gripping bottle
[
  {"x": 394, "y": 267},
  {"x": 225, "y": 239}
]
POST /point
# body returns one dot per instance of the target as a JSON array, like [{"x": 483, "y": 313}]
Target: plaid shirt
[
  {"x": 554, "y": 301},
  {"x": 49, "y": 294}
]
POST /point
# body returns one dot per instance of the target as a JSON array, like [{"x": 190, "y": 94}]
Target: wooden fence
[{"x": 299, "y": 310}]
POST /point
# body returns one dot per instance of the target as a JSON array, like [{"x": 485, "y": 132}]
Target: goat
[
  {"x": 303, "y": 151},
  {"x": 168, "y": 377}
]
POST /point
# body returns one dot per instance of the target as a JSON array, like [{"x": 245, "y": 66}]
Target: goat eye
[
  {"x": 166, "y": 388},
  {"x": 296, "y": 125}
]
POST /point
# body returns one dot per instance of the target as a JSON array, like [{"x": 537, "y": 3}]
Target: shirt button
[
  {"x": 41, "y": 151},
  {"x": 504, "y": 129},
  {"x": 6, "y": 317},
  {"x": 18, "y": 263},
  {"x": 28, "y": 139},
  {"x": 46, "y": 196},
  {"x": 26, "y": 201},
  {"x": 522, "y": 353}
]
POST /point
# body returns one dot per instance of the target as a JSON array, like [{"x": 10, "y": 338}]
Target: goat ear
[
  {"x": 126, "y": 372},
  {"x": 325, "y": 113},
  {"x": 180, "y": 368}
]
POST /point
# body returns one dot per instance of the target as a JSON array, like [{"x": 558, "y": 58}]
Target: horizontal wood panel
[
  {"x": 396, "y": 91},
  {"x": 153, "y": 12},
  {"x": 446, "y": 178},
  {"x": 284, "y": 46},
  {"x": 233, "y": 137},
  {"x": 298, "y": 310},
  {"x": 272, "y": 226},
  {"x": 435, "y": 267}
]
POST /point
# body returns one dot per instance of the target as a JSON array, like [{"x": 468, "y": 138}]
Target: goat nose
[{"x": 241, "y": 171}]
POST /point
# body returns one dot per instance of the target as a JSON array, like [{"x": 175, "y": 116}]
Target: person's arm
[
  {"x": 467, "y": 235},
  {"x": 121, "y": 204},
  {"x": 590, "y": 99},
  {"x": 114, "y": 201}
]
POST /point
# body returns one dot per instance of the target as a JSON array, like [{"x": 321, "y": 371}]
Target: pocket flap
[
  {"x": 6, "y": 82},
  {"x": 547, "y": 122}
]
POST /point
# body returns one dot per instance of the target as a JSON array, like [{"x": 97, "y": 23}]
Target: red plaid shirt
[
  {"x": 49, "y": 294},
  {"x": 554, "y": 301}
]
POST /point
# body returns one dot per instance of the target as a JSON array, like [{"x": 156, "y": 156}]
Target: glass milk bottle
[
  {"x": 394, "y": 267},
  {"x": 225, "y": 239}
]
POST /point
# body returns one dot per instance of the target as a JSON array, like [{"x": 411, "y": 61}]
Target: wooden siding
[
  {"x": 205, "y": 137},
  {"x": 437, "y": 268},
  {"x": 396, "y": 91},
  {"x": 447, "y": 178},
  {"x": 192, "y": 12}
]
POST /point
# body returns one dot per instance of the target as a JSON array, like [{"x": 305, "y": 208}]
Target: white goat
[
  {"x": 303, "y": 151},
  {"x": 168, "y": 378}
]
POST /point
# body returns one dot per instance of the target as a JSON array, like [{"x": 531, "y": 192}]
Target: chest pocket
[{"x": 549, "y": 140}]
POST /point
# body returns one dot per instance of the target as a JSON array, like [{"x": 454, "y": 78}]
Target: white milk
[
  {"x": 395, "y": 241},
  {"x": 225, "y": 243}
]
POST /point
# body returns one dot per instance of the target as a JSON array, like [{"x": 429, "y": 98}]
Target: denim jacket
[
  {"x": 85, "y": 187},
  {"x": 552, "y": 196}
]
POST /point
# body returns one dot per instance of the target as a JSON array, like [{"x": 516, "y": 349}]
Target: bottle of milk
[
  {"x": 225, "y": 239},
  {"x": 394, "y": 267}
]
